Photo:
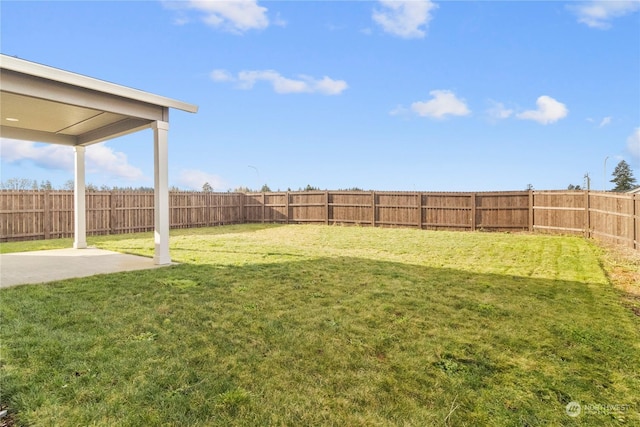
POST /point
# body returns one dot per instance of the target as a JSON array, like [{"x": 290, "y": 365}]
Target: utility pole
[{"x": 587, "y": 179}]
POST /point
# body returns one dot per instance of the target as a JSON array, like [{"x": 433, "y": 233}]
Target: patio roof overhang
[{"x": 45, "y": 104}]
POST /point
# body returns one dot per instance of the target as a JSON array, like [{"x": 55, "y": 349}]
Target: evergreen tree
[
  {"x": 623, "y": 177},
  {"x": 207, "y": 188}
]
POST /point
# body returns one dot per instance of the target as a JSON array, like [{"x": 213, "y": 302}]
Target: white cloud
[
  {"x": 235, "y": 16},
  {"x": 549, "y": 111},
  {"x": 327, "y": 86},
  {"x": 404, "y": 18},
  {"x": 444, "y": 103},
  {"x": 605, "y": 121},
  {"x": 281, "y": 84},
  {"x": 399, "y": 110},
  {"x": 46, "y": 156},
  {"x": 633, "y": 143},
  {"x": 498, "y": 111},
  {"x": 99, "y": 158},
  {"x": 221, "y": 76},
  {"x": 600, "y": 13},
  {"x": 102, "y": 159},
  {"x": 194, "y": 179}
]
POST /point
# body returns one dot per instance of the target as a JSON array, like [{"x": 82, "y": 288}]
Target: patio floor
[{"x": 46, "y": 266}]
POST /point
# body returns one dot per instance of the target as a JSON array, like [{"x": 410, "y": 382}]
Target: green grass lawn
[{"x": 321, "y": 325}]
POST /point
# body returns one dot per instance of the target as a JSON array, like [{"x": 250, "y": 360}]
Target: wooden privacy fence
[
  {"x": 612, "y": 217},
  {"x": 435, "y": 211}
]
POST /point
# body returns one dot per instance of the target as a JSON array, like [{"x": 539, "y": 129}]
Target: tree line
[
  {"x": 622, "y": 178},
  {"x": 18, "y": 184},
  {"x": 45, "y": 185}
]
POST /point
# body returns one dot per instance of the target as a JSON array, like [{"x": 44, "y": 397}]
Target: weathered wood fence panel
[
  {"x": 134, "y": 212},
  {"x": 447, "y": 211},
  {"x": 309, "y": 207},
  {"x": 397, "y": 209},
  {"x": 558, "y": 211},
  {"x": 611, "y": 217},
  {"x": 350, "y": 208},
  {"x": 501, "y": 211}
]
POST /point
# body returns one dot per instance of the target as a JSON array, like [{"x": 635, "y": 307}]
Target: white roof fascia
[{"x": 79, "y": 80}]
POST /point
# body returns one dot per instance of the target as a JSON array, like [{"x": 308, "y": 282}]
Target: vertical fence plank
[
  {"x": 326, "y": 208},
  {"x": 587, "y": 214},
  {"x": 113, "y": 217},
  {"x": 474, "y": 213},
  {"x": 287, "y": 210},
  {"x": 530, "y": 218},
  {"x": 46, "y": 219},
  {"x": 419, "y": 210},
  {"x": 636, "y": 219},
  {"x": 373, "y": 208}
]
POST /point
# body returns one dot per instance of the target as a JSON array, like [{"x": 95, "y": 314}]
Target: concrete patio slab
[{"x": 46, "y": 266}]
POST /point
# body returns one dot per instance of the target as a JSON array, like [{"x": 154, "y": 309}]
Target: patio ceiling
[{"x": 45, "y": 104}]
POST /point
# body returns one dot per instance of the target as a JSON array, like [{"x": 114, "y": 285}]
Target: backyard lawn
[{"x": 305, "y": 325}]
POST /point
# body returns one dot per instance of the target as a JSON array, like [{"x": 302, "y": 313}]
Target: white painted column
[
  {"x": 79, "y": 203},
  {"x": 161, "y": 192}
]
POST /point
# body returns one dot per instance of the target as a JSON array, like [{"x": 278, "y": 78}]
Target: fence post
[
  {"x": 243, "y": 219},
  {"x": 419, "y": 200},
  {"x": 264, "y": 207},
  {"x": 46, "y": 215},
  {"x": 587, "y": 214},
  {"x": 531, "y": 219},
  {"x": 373, "y": 208},
  {"x": 636, "y": 238},
  {"x": 473, "y": 212},
  {"x": 113, "y": 217},
  {"x": 326, "y": 208},
  {"x": 287, "y": 207}
]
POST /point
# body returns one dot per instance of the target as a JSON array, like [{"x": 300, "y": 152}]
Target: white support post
[
  {"x": 161, "y": 192},
  {"x": 79, "y": 203}
]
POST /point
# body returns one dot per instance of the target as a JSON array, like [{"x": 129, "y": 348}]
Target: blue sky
[{"x": 385, "y": 95}]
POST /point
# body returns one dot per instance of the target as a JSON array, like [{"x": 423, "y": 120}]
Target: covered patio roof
[{"x": 45, "y": 104}]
